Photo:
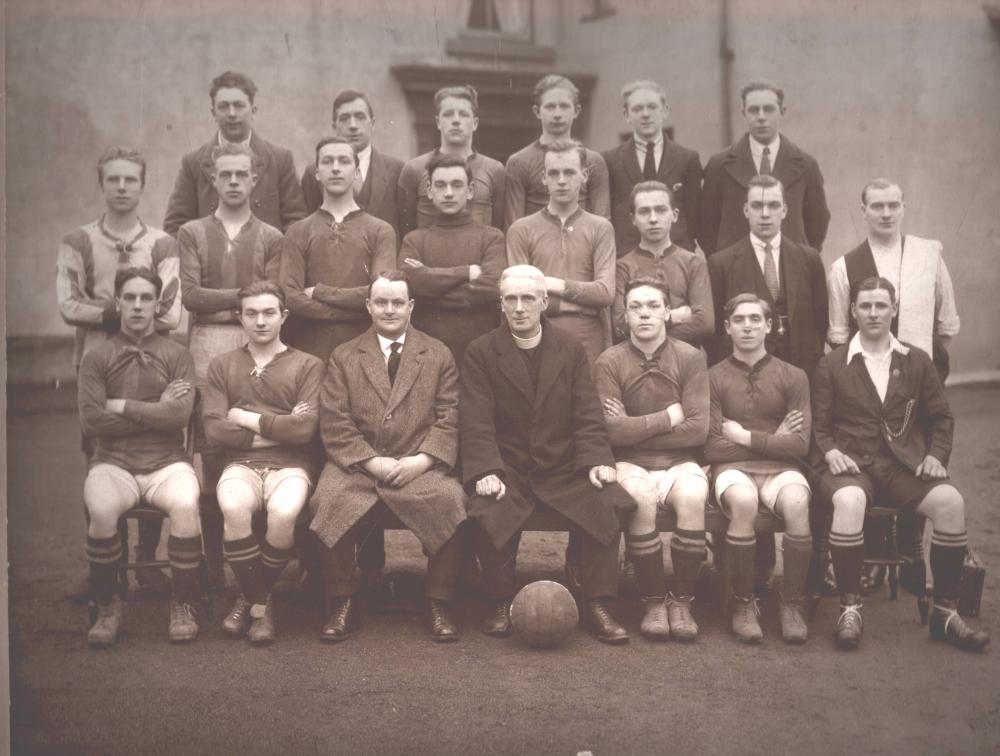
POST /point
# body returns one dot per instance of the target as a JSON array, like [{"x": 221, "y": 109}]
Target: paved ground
[{"x": 390, "y": 690}]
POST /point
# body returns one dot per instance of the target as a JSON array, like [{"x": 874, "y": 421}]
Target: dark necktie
[
  {"x": 765, "y": 162},
  {"x": 649, "y": 166},
  {"x": 770, "y": 272},
  {"x": 393, "y": 363}
]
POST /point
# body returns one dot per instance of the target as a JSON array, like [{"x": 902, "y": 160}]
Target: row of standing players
[{"x": 326, "y": 262}]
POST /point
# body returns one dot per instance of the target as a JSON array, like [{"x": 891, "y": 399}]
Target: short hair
[
  {"x": 462, "y": 92},
  {"x": 350, "y": 95},
  {"x": 260, "y": 288},
  {"x": 765, "y": 181},
  {"x": 879, "y": 183},
  {"x": 232, "y": 80},
  {"x": 568, "y": 145},
  {"x": 524, "y": 271},
  {"x": 335, "y": 140},
  {"x": 392, "y": 276},
  {"x": 757, "y": 85},
  {"x": 441, "y": 160},
  {"x": 650, "y": 186},
  {"x": 747, "y": 298},
  {"x": 634, "y": 86},
  {"x": 125, "y": 275},
  {"x": 233, "y": 148},
  {"x": 873, "y": 283},
  {"x": 653, "y": 282},
  {"x": 555, "y": 81},
  {"x": 121, "y": 153}
]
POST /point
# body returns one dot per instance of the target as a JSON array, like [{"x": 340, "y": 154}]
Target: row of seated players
[{"x": 534, "y": 433}]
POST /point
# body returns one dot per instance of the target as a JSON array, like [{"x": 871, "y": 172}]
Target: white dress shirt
[
  {"x": 640, "y": 150},
  {"x": 385, "y": 343},
  {"x": 364, "y": 162},
  {"x": 757, "y": 151},
  {"x": 877, "y": 365},
  {"x": 758, "y": 250}
]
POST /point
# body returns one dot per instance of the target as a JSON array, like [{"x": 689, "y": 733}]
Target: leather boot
[
  {"x": 344, "y": 617},
  {"x": 498, "y": 623},
  {"x": 442, "y": 626},
  {"x": 607, "y": 628}
]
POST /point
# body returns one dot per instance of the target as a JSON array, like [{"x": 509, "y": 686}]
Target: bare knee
[
  {"x": 849, "y": 509},
  {"x": 643, "y": 491},
  {"x": 793, "y": 506},
  {"x": 688, "y": 497},
  {"x": 741, "y": 504},
  {"x": 945, "y": 508}
]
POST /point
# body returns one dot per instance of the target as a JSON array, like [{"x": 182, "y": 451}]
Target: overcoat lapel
[
  {"x": 512, "y": 366},
  {"x": 376, "y": 177},
  {"x": 632, "y": 168},
  {"x": 793, "y": 268},
  {"x": 411, "y": 360},
  {"x": 373, "y": 363},
  {"x": 739, "y": 162},
  {"x": 553, "y": 358}
]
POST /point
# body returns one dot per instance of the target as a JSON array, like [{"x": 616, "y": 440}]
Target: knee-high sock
[
  {"x": 847, "y": 550},
  {"x": 274, "y": 561},
  {"x": 646, "y": 553},
  {"x": 243, "y": 556},
  {"x": 947, "y": 556},
  {"x": 104, "y": 554},
  {"x": 687, "y": 552},
  {"x": 797, "y": 554},
  {"x": 740, "y": 556},
  {"x": 185, "y": 558}
]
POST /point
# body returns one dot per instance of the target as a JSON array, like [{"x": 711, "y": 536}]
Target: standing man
[
  {"x": 557, "y": 106},
  {"x": 276, "y": 197},
  {"x": 454, "y": 266},
  {"x": 573, "y": 248},
  {"x": 136, "y": 391},
  {"x": 785, "y": 274},
  {"x": 378, "y": 173},
  {"x": 331, "y": 257},
  {"x": 692, "y": 315},
  {"x": 762, "y": 151},
  {"x": 532, "y": 436},
  {"x": 654, "y": 392},
  {"x": 457, "y": 119},
  {"x": 927, "y": 315},
  {"x": 758, "y": 435},
  {"x": 389, "y": 423},
  {"x": 649, "y": 155},
  {"x": 261, "y": 409},
  {"x": 884, "y": 428}
]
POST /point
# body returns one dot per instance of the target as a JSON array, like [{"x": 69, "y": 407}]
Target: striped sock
[
  {"x": 185, "y": 558},
  {"x": 947, "y": 556},
  {"x": 274, "y": 561},
  {"x": 243, "y": 556},
  {"x": 740, "y": 553},
  {"x": 646, "y": 553},
  {"x": 687, "y": 552},
  {"x": 104, "y": 554},
  {"x": 796, "y": 553},
  {"x": 847, "y": 550}
]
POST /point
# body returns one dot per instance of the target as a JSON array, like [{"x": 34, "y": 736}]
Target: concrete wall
[{"x": 904, "y": 88}]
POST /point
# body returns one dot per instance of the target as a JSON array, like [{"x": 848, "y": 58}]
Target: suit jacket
[
  {"x": 363, "y": 416},
  {"x": 680, "y": 169},
  {"x": 276, "y": 199},
  {"x": 379, "y": 187},
  {"x": 724, "y": 192},
  {"x": 540, "y": 441},
  {"x": 913, "y": 421},
  {"x": 735, "y": 270}
]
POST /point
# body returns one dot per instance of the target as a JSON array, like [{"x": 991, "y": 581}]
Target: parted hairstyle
[
  {"x": 125, "y": 275},
  {"x": 634, "y": 86},
  {"x": 232, "y": 80},
  {"x": 391, "y": 275},
  {"x": 441, "y": 160},
  {"x": 350, "y": 95},
  {"x": 524, "y": 271},
  {"x": 765, "y": 181},
  {"x": 555, "y": 81},
  {"x": 462, "y": 92},
  {"x": 873, "y": 283},
  {"x": 757, "y": 85},
  {"x": 747, "y": 298},
  {"x": 650, "y": 186},
  {"x": 259, "y": 288},
  {"x": 335, "y": 140},
  {"x": 121, "y": 153},
  {"x": 568, "y": 145},
  {"x": 231, "y": 148},
  {"x": 652, "y": 282},
  {"x": 879, "y": 183}
]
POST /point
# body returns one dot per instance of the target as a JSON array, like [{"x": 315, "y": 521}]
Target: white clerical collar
[
  {"x": 245, "y": 143},
  {"x": 757, "y": 149},
  {"x": 384, "y": 343},
  {"x": 758, "y": 243},
  {"x": 529, "y": 343},
  {"x": 855, "y": 347}
]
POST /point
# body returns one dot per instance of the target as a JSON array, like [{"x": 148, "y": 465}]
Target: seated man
[
  {"x": 532, "y": 435},
  {"x": 758, "y": 429},
  {"x": 654, "y": 391},
  {"x": 261, "y": 411},
  {"x": 389, "y": 405},
  {"x": 884, "y": 428},
  {"x": 136, "y": 395}
]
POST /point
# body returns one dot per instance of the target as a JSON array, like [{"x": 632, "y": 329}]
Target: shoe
[
  {"x": 498, "y": 622},
  {"x": 608, "y": 629},
  {"x": 849, "y": 626},
  {"x": 443, "y": 629},
  {"x": 746, "y": 625},
  {"x": 655, "y": 623},
  {"x": 948, "y": 625},
  {"x": 238, "y": 620},
  {"x": 261, "y": 631},
  {"x": 682, "y": 624},
  {"x": 343, "y": 619},
  {"x": 793, "y": 624},
  {"x": 104, "y": 632},
  {"x": 183, "y": 622}
]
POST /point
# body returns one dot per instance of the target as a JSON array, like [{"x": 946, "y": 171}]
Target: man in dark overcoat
[
  {"x": 533, "y": 437},
  {"x": 388, "y": 418}
]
